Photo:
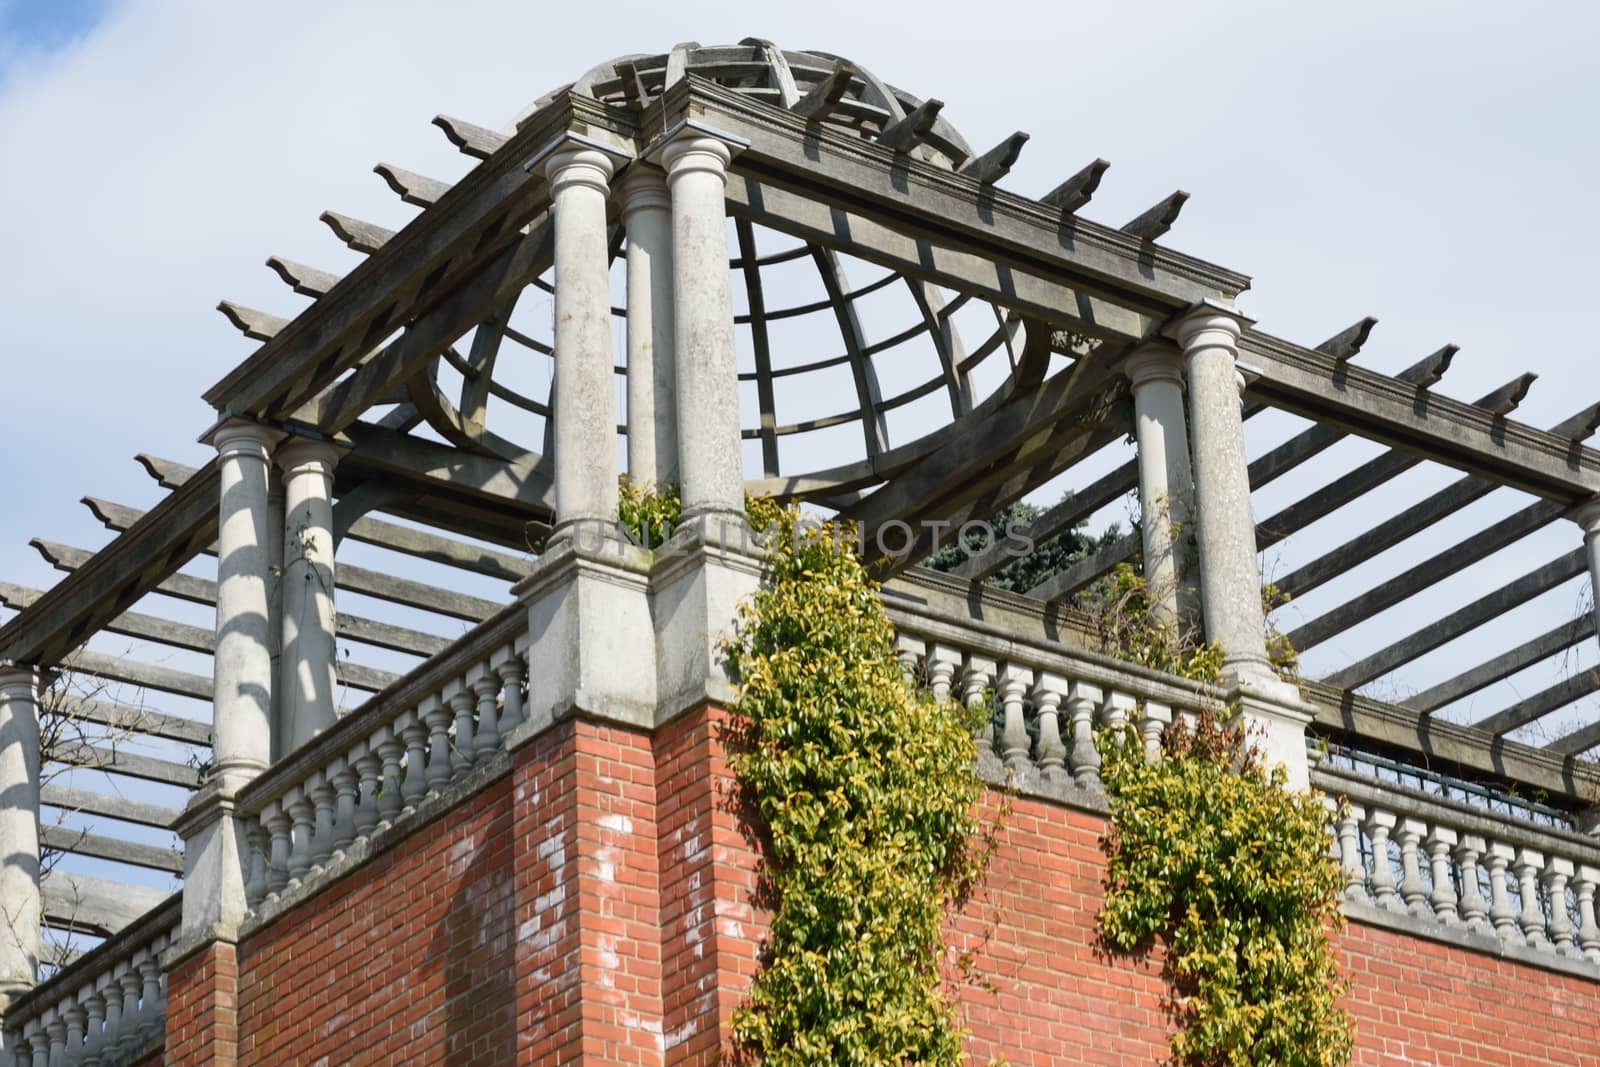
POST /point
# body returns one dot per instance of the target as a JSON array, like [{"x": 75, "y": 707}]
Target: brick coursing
[{"x": 596, "y": 905}]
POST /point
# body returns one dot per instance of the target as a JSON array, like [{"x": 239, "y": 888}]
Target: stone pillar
[
  {"x": 19, "y": 832},
  {"x": 652, "y": 399},
  {"x": 308, "y": 676},
  {"x": 1166, "y": 484},
  {"x": 275, "y": 525},
  {"x": 1225, "y": 531},
  {"x": 585, "y": 404},
  {"x": 1588, "y": 517},
  {"x": 241, "y": 706},
  {"x": 710, "y": 454}
]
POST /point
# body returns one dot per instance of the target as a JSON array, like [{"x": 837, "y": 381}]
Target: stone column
[
  {"x": 241, "y": 706},
  {"x": 1225, "y": 531},
  {"x": 710, "y": 455},
  {"x": 1588, "y": 517},
  {"x": 19, "y": 832},
  {"x": 1166, "y": 484},
  {"x": 308, "y": 676},
  {"x": 652, "y": 400},
  {"x": 585, "y": 388}
]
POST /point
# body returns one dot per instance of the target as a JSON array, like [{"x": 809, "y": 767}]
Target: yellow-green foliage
[
  {"x": 864, "y": 790},
  {"x": 649, "y": 513},
  {"x": 1130, "y": 629},
  {"x": 1214, "y": 856}
]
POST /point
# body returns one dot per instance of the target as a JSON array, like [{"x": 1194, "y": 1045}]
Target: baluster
[
  {"x": 436, "y": 713},
  {"x": 459, "y": 696},
  {"x": 1048, "y": 691},
  {"x": 1014, "y": 683},
  {"x": 1472, "y": 904},
  {"x": 944, "y": 663},
  {"x": 976, "y": 677},
  {"x": 1557, "y": 873},
  {"x": 111, "y": 986},
  {"x": 908, "y": 653},
  {"x": 94, "y": 1008},
  {"x": 38, "y": 1041},
  {"x": 1083, "y": 700},
  {"x": 1501, "y": 913},
  {"x": 388, "y": 800},
  {"x": 72, "y": 1012},
  {"x": 1528, "y": 867},
  {"x": 275, "y": 817},
  {"x": 256, "y": 843},
  {"x": 369, "y": 770},
  {"x": 343, "y": 782},
  {"x": 56, "y": 1029},
  {"x": 1115, "y": 713},
  {"x": 150, "y": 1007},
  {"x": 1350, "y": 865},
  {"x": 1588, "y": 927},
  {"x": 1443, "y": 898},
  {"x": 1153, "y": 724},
  {"x": 487, "y": 688},
  {"x": 1379, "y": 823},
  {"x": 132, "y": 985},
  {"x": 1412, "y": 887},
  {"x": 511, "y": 669},
  {"x": 300, "y": 811},
  {"x": 320, "y": 788},
  {"x": 414, "y": 732}
]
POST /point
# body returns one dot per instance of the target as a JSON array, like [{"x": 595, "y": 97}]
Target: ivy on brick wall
[
  {"x": 1209, "y": 852},
  {"x": 864, "y": 790}
]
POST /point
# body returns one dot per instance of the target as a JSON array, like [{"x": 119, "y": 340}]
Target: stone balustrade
[
  {"x": 409, "y": 743},
  {"x": 106, "y": 1008},
  {"x": 1048, "y": 697},
  {"x": 1420, "y": 861}
]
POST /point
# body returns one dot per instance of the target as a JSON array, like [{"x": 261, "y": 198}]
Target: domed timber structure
[{"x": 738, "y": 271}]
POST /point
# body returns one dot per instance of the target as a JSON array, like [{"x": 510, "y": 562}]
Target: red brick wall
[
  {"x": 202, "y": 1009},
  {"x": 596, "y": 906}
]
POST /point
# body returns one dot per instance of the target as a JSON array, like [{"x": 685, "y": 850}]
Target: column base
[
  {"x": 214, "y": 901},
  {"x": 1275, "y": 721}
]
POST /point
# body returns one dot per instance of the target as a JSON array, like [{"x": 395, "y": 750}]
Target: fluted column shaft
[
  {"x": 652, "y": 400},
  {"x": 585, "y": 388},
  {"x": 242, "y": 665},
  {"x": 308, "y": 678},
  {"x": 1166, "y": 483},
  {"x": 710, "y": 457},
  {"x": 19, "y": 831}
]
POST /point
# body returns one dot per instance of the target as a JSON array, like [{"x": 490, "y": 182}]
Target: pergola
[{"x": 416, "y": 386}]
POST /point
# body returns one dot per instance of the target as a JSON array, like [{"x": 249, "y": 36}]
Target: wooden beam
[
  {"x": 909, "y": 132},
  {"x": 869, "y": 396},
  {"x": 363, "y": 237},
  {"x": 1577, "y": 742},
  {"x": 1157, "y": 220},
  {"x": 413, "y": 189},
  {"x": 1344, "y": 345},
  {"x": 307, "y": 281},
  {"x": 257, "y": 325},
  {"x": 1504, "y": 665},
  {"x": 991, "y": 166},
  {"x": 84, "y": 843},
  {"x": 1062, "y": 516},
  {"x": 85, "y": 662},
  {"x": 755, "y": 300},
  {"x": 1076, "y": 192},
  {"x": 474, "y": 141},
  {"x": 820, "y": 101},
  {"x": 1531, "y": 709},
  {"x": 140, "y": 720},
  {"x": 129, "y": 623},
  {"x": 114, "y": 760},
  {"x": 98, "y": 906},
  {"x": 88, "y": 802}
]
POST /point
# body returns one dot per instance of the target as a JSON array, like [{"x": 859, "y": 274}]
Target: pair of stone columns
[
  {"x": 1211, "y": 496},
  {"x": 683, "y": 400}
]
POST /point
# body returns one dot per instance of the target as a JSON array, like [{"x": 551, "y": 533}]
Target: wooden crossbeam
[
  {"x": 135, "y": 854},
  {"x": 1542, "y": 703},
  {"x": 129, "y": 623},
  {"x": 1344, "y": 345},
  {"x": 115, "y": 760},
  {"x": 1503, "y": 666},
  {"x": 826, "y": 94},
  {"x": 472, "y": 140},
  {"x": 98, "y": 906},
  {"x": 755, "y": 301},
  {"x": 869, "y": 396},
  {"x": 258, "y": 325},
  {"x": 140, "y": 720},
  {"x": 143, "y": 675},
  {"x": 307, "y": 281},
  {"x": 413, "y": 189},
  {"x": 1157, "y": 220},
  {"x": 989, "y": 167},
  {"x": 88, "y": 802},
  {"x": 907, "y": 133},
  {"x": 363, "y": 237},
  {"x": 1577, "y": 742},
  {"x": 1076, "y": 192},
  {"x": 1490, "y": 606}
]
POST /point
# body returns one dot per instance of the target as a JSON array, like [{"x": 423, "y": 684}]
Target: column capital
[
  {"x": 643, "y": 188},
  {"x": 298, "y": 451},
  {"x": 1155, "y": 363},
  {"x": 18, "y": 679},
  {"x": 1208, "y": 315},
  {"x": 1587, "y": 515},
  {"x": 235, "y": 435},
  {"x": 695, "y": 145},
  {"x": 575, "y": 159}
]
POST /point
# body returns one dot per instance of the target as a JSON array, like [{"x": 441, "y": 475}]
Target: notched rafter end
[
  {"x": 909, "y": 132},
  {"x": 1504, "y": 401},
  {"x": 257, "y": 325},
  {"x": 358, "y": 235},
  {"x": 307, "y": 281},
  {"x": 1076, "y": 191},
  {"x": 826, "y": 94},
  {"x": 472, "y": 140},
  {"x": 1344, "y": 345},
  {"x": 1159, "y": 219},
  {"x": 415, "y": 189},
  {"x": 633, "y": 90},
  {"x": 1436, "y": 366},
  {"x": 998, "y": 161}
]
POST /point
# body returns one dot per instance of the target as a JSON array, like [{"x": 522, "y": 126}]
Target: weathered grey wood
[
  {"x": 827, "y": 93},
  {"x": 393, "y": 536},
  {"x": 90, "y": 664},
  {"x": 1062, "y": 516},
  {"x": 473, "y": 140},
  {"x": 907, "y": 133},
  {"x": 129, "y": 623},
  {"x": 869, "y": 397},
  {"x": 307, "y": 281},
  {"x": 991, "y": 166},
  {"x": 1434, "y": 569},
  {"x": 1157, "y": 220},
  {"x": 1577, "y": 742},
  {"x": 1506, "y": 399},
  {"x": 946, "y": 342},
  {"x": 414, "y": 189},
  {"x": 100, "y": 846},
  {"x": 1533, "y": 708},
  {"x": 119, "y": 574},
  {"x": 258, "y": 325},
  {"x": 67, "y": 798},
  {"x": 364, "y": 237},
  {"x": 141, "y": 720},
  {"x": 519, "y": 485},
  {"x": 1504, "y": 665},
  {"x": 202, "y": 591},
  {"x": 115, "y": 760},
  {"x": 74, "y": 901},
  {"x": 755, "y": 300},
  {"x": 1344, "y": 345},
  {"x": 1074, "y": 193},
  {"x": 633, "y": 89}
]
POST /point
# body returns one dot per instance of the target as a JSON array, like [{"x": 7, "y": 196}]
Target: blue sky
[{"x": 1429, "y": 163}]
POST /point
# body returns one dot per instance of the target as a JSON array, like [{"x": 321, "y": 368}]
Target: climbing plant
[
  {"x": 648, "y": 513},
  {"x": 863, "y": 790},
  {"x": 1211, "y": 853}
]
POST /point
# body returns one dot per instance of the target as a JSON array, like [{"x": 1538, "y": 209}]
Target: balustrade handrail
[
  {"x": 428, "y": 677},
  {"x": 1465, "y": 818}
]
